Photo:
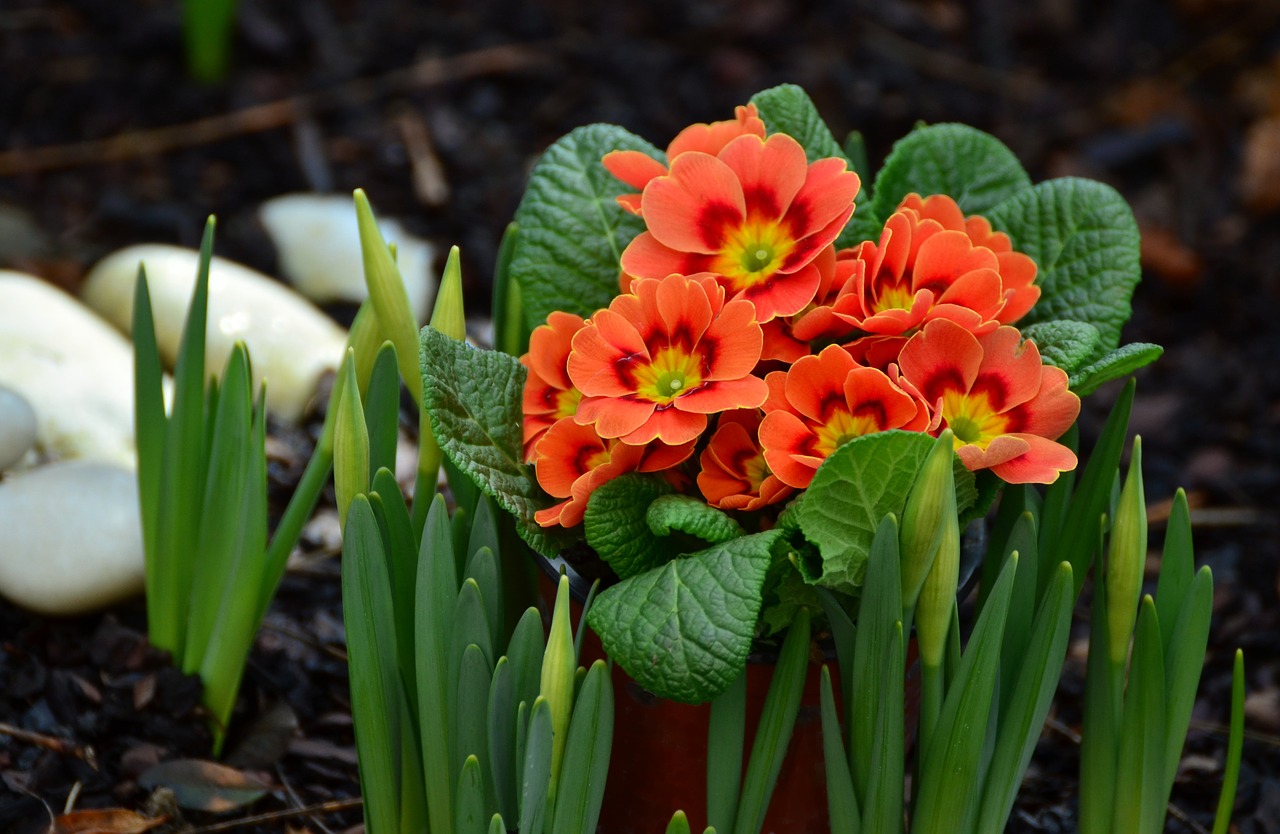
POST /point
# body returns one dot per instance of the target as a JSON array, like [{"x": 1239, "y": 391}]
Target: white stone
[
  {"x": 70, "y": 537},
  {"x": 291, "y": 342},
  {"x": 17, "y": 427},
  {"x": 74, "y": 369},
  {"x": 318, "y": 241}
]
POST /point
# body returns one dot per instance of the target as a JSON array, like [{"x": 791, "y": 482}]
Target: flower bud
[
  {"x": 448, "y": 315},
  {"x": 559, "y": 667},
  {"x": 931, "y": 506},
  {"x": 389, "y": 297},
  {"x": 1126, "y": 558},
  {"x": 351, "y": 440},
  {"x": 938, "y": 594}
]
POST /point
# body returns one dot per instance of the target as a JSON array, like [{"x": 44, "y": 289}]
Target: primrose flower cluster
[{"x": 744, "y": 348}]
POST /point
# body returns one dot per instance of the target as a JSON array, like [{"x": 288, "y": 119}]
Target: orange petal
[
  {"x": 614, "y": 416},
  {"x": 869, "y": 391},
  {"x": 815, "y": 384},
  {"x": 565, "y": 454},
  {"x": 944, "y": 257},
  {"x": 943, "y": 356},
  {"x": 659, "y": 456},
  {"x": 716, "y": 396},
  {"x": 549, "y": 347},
  {"x": 645, "y": 257},
  {"x": 771, "y": 171},
  {"x": 1052, "y": 410},
  {"x": 683, "y": 309},
  {"x": 827, "y": 194},
  {"x": 731, "y": 345},
  {"x": 1041, "y": 464},
  {"x": 1011, "y": 370},
  {"x": 783, "y": 294},
  {"x": 937, "y": 207},
  {"x": 670, "y": 425},
  {"x": 692, "y": 208},
  {"x": 711, "y": 138},
  {"x": 1002, "y": 449},
  {"x": 634, "y": 168},
  {"x": 786, "y": 441},
  {"x": 603, "y": 354}
]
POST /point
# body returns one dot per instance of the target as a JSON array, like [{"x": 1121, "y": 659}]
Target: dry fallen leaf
[
  {"x": 1169, "y": 258},
  {"x": 105, "y": 821},
  {"x": 1260, "y": 177},
  {"x": 205, "y": 786}
]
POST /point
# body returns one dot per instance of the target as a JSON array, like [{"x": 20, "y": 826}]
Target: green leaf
[
  {"x": 586, "y": 755},
  {"x": 777, "y": 720},
  {"x": 510, "y": 335},
  {"x": 726, "y": 739},
  {"x": 1235, "y": 749},
  {"x": 535, "y": 780},
  {"x": 1140, "y": 766},
  {"x": 525, "y": 651},
  {"x": 1084, "y": 239},
  {"x": 474, "y": 398},
  {"x": 351, "y": 439},
  {"x": 1023, "y": 713},
  {"x": 1064, "y": 344},
  {"x": 371, "y": 642},
  {"x": 402, "y": 566},
  {"x": 502, "y": 739},
  {"x": 858, "y": 485},
  {"x": 842, "y": 804},
  {"x": 1100, "y": 732},
  {"x": 437, "y": 594},
  {"x": 572, "y": 231},
  {"x": 482, "y": 567},
  {"x": 471, "y": 718},
  {"x": 785, "y": 591},
  {"x": 788, "y": 109},
  {"x": 617, "y": 527},
  {"x": 149, "y": 425},
  {"x": 1118, "y": 363},
  {"x": 882, "y": 802},
  {"x": 687, "y": 514},
  {"x": 470, "y": 800},
  {"x": 679, "y": 824},
  {"x": 382, "y": 410},
  {"x": 1177, "y": 565},
  {"x": 1184, "y": 655},
  {"x": 683, "y": 630},
  {"x": 972, "y": 167},
  {"x": 951, "y": 767}
]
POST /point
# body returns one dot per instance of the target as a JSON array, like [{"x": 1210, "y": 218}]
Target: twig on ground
[
  {"x": 61, "y": 746},
  {"x": 272, "y": 114},
  {"x": 296, "y": 800},
  {"x": 333, "y": 806}
]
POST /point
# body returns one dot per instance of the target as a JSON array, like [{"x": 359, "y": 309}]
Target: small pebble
[
  {"x": 74, "y": 369},
  {"x": 72, "y": 538},
  {"x": 291, "y": 342},
  {"x": 318, "y": 241},
  {"x": 17, "y": 428}
]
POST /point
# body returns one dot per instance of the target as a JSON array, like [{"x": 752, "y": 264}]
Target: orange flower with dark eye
[
  {"x": 823, "y": 401},
  {"x": 573, "y": 462},
  {"x": 757, "y": 214},
  {"x": 1017, "y": 270},
  {"x": 664, "y": 356},
  {"x": 734, "y": 473},
  {"x": 1004, "y": 407},
  {"x": 636, "y": 169},
  {"x": 548, "y": 394}
]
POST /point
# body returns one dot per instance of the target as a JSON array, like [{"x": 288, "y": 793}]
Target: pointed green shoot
[
  {"x": 469, "y": 805},
  {"x": 586, "y": 755},
  {"x": 509, "y": 332},
  {"x": 1183, "y": 664},
  {"x": 351, "y": 441},
  {"x": 149, "y": 426},
  {"x": 1177, "y": 565},
  {"x": 842, "y": 805},
  {"x": 777, "y": 719},
  {"x": 1140, "y": 803},
  {"x": 726, "y": 738},
  {"x": 931, "y": 506},
  {"x": 882, "y": 809},
  {"x": 1235, "y": 749},
  {"x": 878, "y": 618},
  {"x": 558, "y": 667},
  {"x": 437, "y": 592},
  {"x": 1126, "y": 559},
  {"x": 382, "y": 408},
  {"x": 535, "y": 781},
  {"x": 448, "y": 315},
  {"x": 1100, "y": 732}
]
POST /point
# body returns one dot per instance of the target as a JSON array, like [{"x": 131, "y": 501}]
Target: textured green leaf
[
  {"x": 474, "y": 399},
  {"x": 785, "y": 592},
  {"x": 972, "y": 167},
  {"x": 687, "y": 514},
  {"x": 788, "y": 109},
  {"x": 1064, "y": 344},
  {"x": 683, "y": 630},
  {"x": 617, "y": 527},
  {"x": 1084, "y": 239},
  {"x": 572, "y": 231},
  {"x": 1118, "y": 363},
  {"x": 860, "y": 483}
]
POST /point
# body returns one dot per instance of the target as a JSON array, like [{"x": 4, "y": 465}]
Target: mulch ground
[{"x": 439, "y": 110}]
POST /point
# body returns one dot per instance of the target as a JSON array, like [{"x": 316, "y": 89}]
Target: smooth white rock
[
  {"x": 291, "y": 342},
  {"x": 17, "y": 427},
  {"x": 70, "y": 537},
  {"x": 318, "y": 241},
  {"x": 75, "y": 370}
]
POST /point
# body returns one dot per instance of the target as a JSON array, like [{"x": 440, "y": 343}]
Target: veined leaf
[{"x": 617, "y": 527}]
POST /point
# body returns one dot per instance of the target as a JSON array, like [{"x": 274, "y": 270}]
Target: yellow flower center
[
  {"x": 753, "y": 252},
  {"x": 567, "y": 403},
  {"x": 841, "y": 427},
  {"x": 895, "y": 297},
  {"x": 972, "y": 419},
  {"x": 672, "y": 373}
]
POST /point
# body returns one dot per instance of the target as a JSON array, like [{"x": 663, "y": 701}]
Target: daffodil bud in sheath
[
  {"x": 448, "y": 315},
  {"x": 1126, "y": 558},
  {"x": 931, "y": 506},
  {"x": 351, "y": 440},
  {"x": 938, "y": 594},
  {"x": 559, "y": 665}
]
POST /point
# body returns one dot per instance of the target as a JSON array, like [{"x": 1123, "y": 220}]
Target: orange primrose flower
[
  {"x": 921, "y": 271},
  {"x": 661, "y": 358},
  {"x": 1017, "y": 270},
  {"x": 734, "y": 473},
  {"x": 636, "y": 168},
  {"x": 821, "y": 402},
  {"x": 573, "y": 461},
  {"x": 1005, "y": 408},
  {"x": 756, "y": 215},
  {"x": 548, "y": 394}
]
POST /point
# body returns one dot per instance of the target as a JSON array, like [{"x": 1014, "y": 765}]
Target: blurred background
[{"x": 439, "y": 110}]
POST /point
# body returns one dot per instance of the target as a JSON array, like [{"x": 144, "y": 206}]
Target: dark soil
[{"x": 1174, "y": 102}]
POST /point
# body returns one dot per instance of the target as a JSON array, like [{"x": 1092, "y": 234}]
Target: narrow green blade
[
  {"x": 437, "y": 594},
  {"x": 474, "y": 678},
  {"x": 1177, "y": 566},
  {"x": 842, "y": 805},
  {"x": 880, "y": 612},
  {"x": 470, "y": 799},
  {"x": 1140, "y": 805},
  {"x": 1022, "y": 605},
  {"x": 382, "y": 410},
  {"x": 1101, "y": 725},
  {"x": 482, "y": 568},
  {"x": 679, "y": 824},
  {"x": 502, "y": 739},
  {"x": 586, "y": 755},
  {"x": 882, "y": 809},
  {"x": 777, "y": 719},
  {"x": 402, "y": 565},
  {"x": 725, "y": 743},
  {"x": 535, "y": 780},
  {"x": 149, "y": 428},
  {"x": 371, "y": 646},
  {"x": 1183, "y": 663},
  {"x": 525, "y": 651},
  {"x": 1235, "y": 750}
]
